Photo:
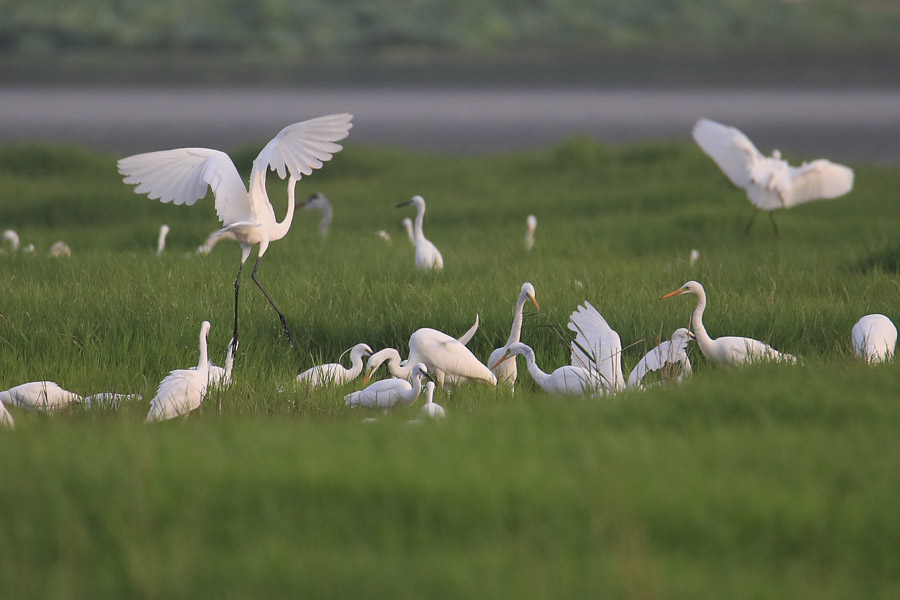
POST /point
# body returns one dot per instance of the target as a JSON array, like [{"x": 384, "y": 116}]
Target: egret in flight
[
  {"x": 182, "y": 390},
  {"x": 388, "y": 393},
  {"x": 874, "y": 338},
  {"x": 506, "y": 371},
  {"x": 770, "y": 182},
  {"x": 319, "y": 202},
  {"x": 183, "y": 175},
  {"x": 427, "y": 255},
  {"x": 669, "y": 355},
  {"x": 567, "y": 379},
  {"x": 729, "y": 349},
  {"x": 336, "y": 373}
]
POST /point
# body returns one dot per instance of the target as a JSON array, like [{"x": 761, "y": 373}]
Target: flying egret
[
  {"x": 597, "y": 348},
  {"x": 6, "y": 418},
  {"x": 336, "y": 373},
  {"x": 60, "y": 248},
  {"x": 38, "y": 395},
  {"x": 183, "y": 175},
  {"x": 530, "y": 226},
  {"x": 408, "y": 226},
  {"x": 567, "y": 379},
  {"x": 506, "y": 371},
  {"x": 770, "y": 182},
  {"x": 388, "y": 393},
  {"x": 182, "y": 390},
  {"x": 729, "y": 349},
  {"x": 427, "y": 255},
  {"x": 874, "y": 338},
  {"x": 161, "y": 242},
  {"x": 670, "y": 354},
  {"x": 319, "y": 202}
]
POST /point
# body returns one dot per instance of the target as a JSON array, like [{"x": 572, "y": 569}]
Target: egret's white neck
[
  {"x": 356, "y": 365},
  {"x": 420, "y": 218},
  {"x": 539, "y": 376},
  {"x": 203, "y": 363},
  {"x": 282, "y": 228},
  {"x": 703, "y": 340},
  {"x": 516, "y": 331}
]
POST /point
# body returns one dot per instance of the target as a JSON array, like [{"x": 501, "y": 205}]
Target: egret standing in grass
[
  {"x": 506, "y": 371},
  {"x": 770, "y": 182},
  {"x": 427, "y": 255},
  {"x": 388, "y": 393},
  {"x": 319, "y": 202},
  {"x": 161, "y": 242},
  {"x": 730, "y": 349},
  {"x": 530, "y": 226},
  {"x": 567, "y": 379},
  {"x": 183, "y": 176},
  {"x": 182, "y": 390},
  {"x": 11, "y": 236},
  {"x": 408, "y": 226},
  {"x": 336, "y": 373},
  {"x": 874, "y": 339}
]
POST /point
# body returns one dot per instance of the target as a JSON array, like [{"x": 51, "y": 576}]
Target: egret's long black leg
[
  {"x": 237, "y": 285},
  {"x": 750, "y": 224},
  {"x": 772, "y": 219},
  {"x": 284, "y": 325}
]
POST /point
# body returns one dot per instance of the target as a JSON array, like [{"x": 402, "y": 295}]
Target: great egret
[
  {"x": 335, "y": 373},
  {"x": 597, "y": 348},
  {"x": 182, "y": 390},
  {"x": 874, "y": 338},
  {"x": 567, "y": 379},
  {"x": 60, "y": 248},
  {"x": 432, "y": 410},
  {"x": 319, "y": 202},
  {"x": 695, "y": 254},
  {"x": 506, "y": 371},
  {"x": 729, "y": 349},
  {"x": 389, "y": 393},
  {"x": 161, "y": 242},
  {"x": 6, "y": 418},
  {"x": 427, "y": 255},
  {"x": 183, "y": 175},
  {"x": 12, "y": 237},
  {"x": 38, "y": 395},
  {"x": 408, "y": 226},
  {"x": 770, "y": 182},
  {"x": 530, "y": 226},
  {"x": 669, "y": 354}
]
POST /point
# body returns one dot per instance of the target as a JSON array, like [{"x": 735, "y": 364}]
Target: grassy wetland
[{"x": 764, "y": 481}]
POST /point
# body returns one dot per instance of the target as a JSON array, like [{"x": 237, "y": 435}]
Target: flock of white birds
[{"x": 184, "y": 175}]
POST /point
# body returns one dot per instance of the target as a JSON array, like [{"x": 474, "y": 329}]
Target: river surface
[{"x": 845, "y": 124}]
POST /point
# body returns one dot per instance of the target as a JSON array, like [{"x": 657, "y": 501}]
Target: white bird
[
  {"x": 161, "y": 242},
  {"x": 427, "y": 255},
  {"x": 506, "y": 371},
  {"x": 319, "y": 202},
  {"x": 389, "y": 393},
  {"x": 214, "y": 238},
  {"x": 183, "y": 175},
  {"x": 770, "y": 182},
  {"x": 695, "y": 254},
  {"x": 531, "y": 225},
  {"x": 597, "y": 348},
  {"x": 336, "y": 373},
  {"x": 108, "y": 400},
  {"x": 567, "y": 379},
  {"x": 384, "y": 235},
  {"x": 182, "y": 390},
  {"x": 729, "y": 349},
  {"x": 38, "y": 395},
  {"x": 6, "y": 418},
  {"x": 874, "y": 339},
  {"x": 12, "y": 237},
  {"x": 408, "y": 226},
  {"x": 219, "y": 376},
  {"x": 670, "y": 354},
  {"x": 431, "y": 409},
  {"x": 60, "y": 248}
]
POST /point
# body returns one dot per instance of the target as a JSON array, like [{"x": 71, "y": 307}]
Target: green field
[{"x": 759, "y": 482}]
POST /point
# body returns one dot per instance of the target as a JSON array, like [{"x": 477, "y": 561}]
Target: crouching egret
[
  {"x": 670, "y": 354},
  {"x": 183, "y": 176},
  {"x": 388, "y": 393},
  {"x": 182, "y": 390},
  {"x": 596, "y": 348},
  {"x": 38, "y": 395},
  {"x": 335, "y": 373},
  {"x": 770, "y": 182},
  {"x": 729, "y": 349},
  {"x": 319, "y": 202},
  {"x": 567, "y": 379},
  {"x": 505, "y": 370},
  {"x": 427, "y": 255},
  {"x": 874, "y": 338}
]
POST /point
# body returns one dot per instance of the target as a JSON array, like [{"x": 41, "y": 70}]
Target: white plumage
[
  {"x": 6, "y": 419},
  {"x": 182, "y": 390},
  {"x": 388, "y": 393},
  {"x": 874, "y": 338},
  {"x": 161, "y": 242},
  {"x": 597, "y": 348},
  {"x": 427, "y": 254},
  {"x": 38, "y": 395},
  {"x": 319, "y": 202},
  {"x": 668, "y": 354},
  {"x": 336, "y": 373},
  {"x": 567, "y": 379},
  {"x": 506, "y": 371}
]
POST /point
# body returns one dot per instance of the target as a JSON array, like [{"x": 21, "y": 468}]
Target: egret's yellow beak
[
  {"x": 675, "y": 293},
  {"x": 533, "y": 301},
  {"x": 504, "y": 357},
  {"x": 366, "y": 378}
]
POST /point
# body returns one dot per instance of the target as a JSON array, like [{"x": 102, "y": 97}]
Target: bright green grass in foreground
[{"x": 758, "y": 482}]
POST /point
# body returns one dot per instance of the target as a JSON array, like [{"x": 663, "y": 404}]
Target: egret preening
[
  {"x": 182, "y": 390},
  {"x": 408, "y": 226},
  {"x": 597, "y": 348},
  {"x": 388, "y": 393},
  {"x": 506, "y": 371},
  {"x": 567, "y": 379},
  {"x": 335, "y": 373},
  {"x": 6, "y": 419},
  {"x": 530, "y": 226},
  {"x": 161, "y": 242},
  {"x": 729, "y": 349},
  {"x": 770, "y": 182},
  {"x": 427, "y": 255},
  {"x": 670, "y": 354},
  {"x": 38, "y": 395},
  {"x": 183, "y": 175},
  {"x": 319, "y": 202},
  {"x": 874, "y": 339}
]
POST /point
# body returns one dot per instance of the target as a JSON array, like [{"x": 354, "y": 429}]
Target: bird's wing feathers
[
  {"x": 301, "y": 148},
  {"x": 819, "y": 179},
  {"x": 597, "y": 346},
  {"x": 729, "y": 148},
  {"x": 670, "y": 351}
]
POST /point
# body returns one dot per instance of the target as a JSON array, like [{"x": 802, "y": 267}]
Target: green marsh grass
[{"x": 771, "y": 480}]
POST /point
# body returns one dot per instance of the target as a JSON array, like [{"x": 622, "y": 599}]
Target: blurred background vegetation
[{"x": 127, "y": 39}]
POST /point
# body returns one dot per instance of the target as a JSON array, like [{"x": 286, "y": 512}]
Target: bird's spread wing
[
  {"x": 596, "y": 347},
  {"x": 183, "y": 175},
  {"x": 729, "y": 148},
  {"x": 670, "y": 351},
  {"x": 819, "y": 179}
]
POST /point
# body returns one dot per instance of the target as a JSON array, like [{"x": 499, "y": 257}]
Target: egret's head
[
  {"x": 420, "y": 370},
  {"x": 531, "y": 223},
  {"x": 361, "y": 350},
  {"x": 682, "y": 334},
  {"x": 317, "y": 200},
  {"x": 691, "y": 287},
  {"x": 529, "y": 292},
  {"x": 416, "y": 201},
  {"x": 513, "y": 349}
]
